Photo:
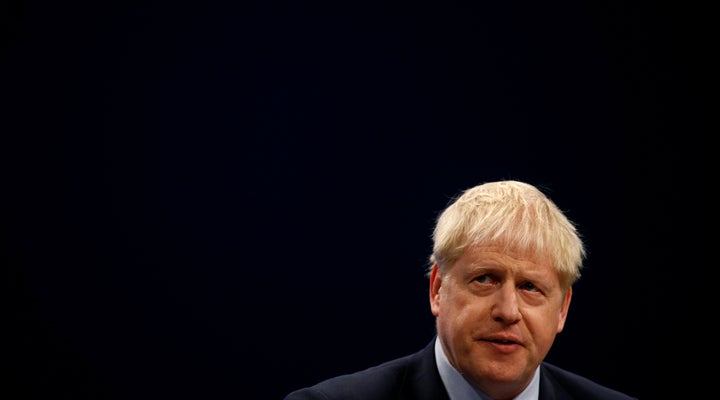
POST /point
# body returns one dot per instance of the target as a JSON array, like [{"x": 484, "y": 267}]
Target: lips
[
  {"x": 505, "y": 345},
  {"x": 503, "y": 339}
]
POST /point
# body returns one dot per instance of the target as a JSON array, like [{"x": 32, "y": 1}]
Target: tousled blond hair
[{"x": 513, "y": 215}]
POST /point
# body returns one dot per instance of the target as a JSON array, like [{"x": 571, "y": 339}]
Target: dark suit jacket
[{"x": 416, "y": 377}]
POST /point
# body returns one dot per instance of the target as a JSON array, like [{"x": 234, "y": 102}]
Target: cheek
[
  {"x": 543, "y": 325},
  {"x": 460, "y": 307}
]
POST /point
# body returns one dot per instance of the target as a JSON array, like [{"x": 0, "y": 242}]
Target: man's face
[{"x": 497, "y": 316}]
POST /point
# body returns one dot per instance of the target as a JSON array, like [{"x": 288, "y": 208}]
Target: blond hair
[{"x": 514, "y": 215}]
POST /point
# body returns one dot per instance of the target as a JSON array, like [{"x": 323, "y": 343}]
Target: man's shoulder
[
  {"x": 577, "y": 386},
  {"x": 386, "y": 371},
  {"x": 376, "y": 382},
  {"x": 399, "y": 378}
]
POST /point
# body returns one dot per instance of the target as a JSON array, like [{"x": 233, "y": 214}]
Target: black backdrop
[{"x": 234, "y": 200}]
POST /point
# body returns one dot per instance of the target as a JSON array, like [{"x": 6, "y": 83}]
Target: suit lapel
[{"x": 424, "y": 382}]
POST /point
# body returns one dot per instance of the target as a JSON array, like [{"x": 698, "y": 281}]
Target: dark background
[{"x": 235, "y": 199}]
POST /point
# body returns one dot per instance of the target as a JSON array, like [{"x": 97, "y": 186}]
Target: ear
[
  {"x": 435, "y": 282},
  {"x": 564, "y": 309}
]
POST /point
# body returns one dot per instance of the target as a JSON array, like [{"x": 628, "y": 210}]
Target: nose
[{"x": 506, "y": 308}]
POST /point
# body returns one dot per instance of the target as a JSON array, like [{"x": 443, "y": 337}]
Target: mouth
[
  {"x": 503, "y": 341},
  {"x": 502, "y": 338},
  {"x": 503, "y": 346}
]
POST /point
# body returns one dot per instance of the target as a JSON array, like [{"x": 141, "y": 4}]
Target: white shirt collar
[{"x": 460, "y": 389}]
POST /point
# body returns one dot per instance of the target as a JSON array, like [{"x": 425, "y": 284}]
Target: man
[{"x": 501, "y": 273}]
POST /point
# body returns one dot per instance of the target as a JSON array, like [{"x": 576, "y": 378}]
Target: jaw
[{"x": 493, "y": 365}]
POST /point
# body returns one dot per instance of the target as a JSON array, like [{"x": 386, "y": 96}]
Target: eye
[
  {"x": 483, "y": 279},
  {"x": 529, "y": 286}
]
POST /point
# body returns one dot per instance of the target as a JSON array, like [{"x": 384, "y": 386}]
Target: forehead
[{"x": 497, "y": 257}]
